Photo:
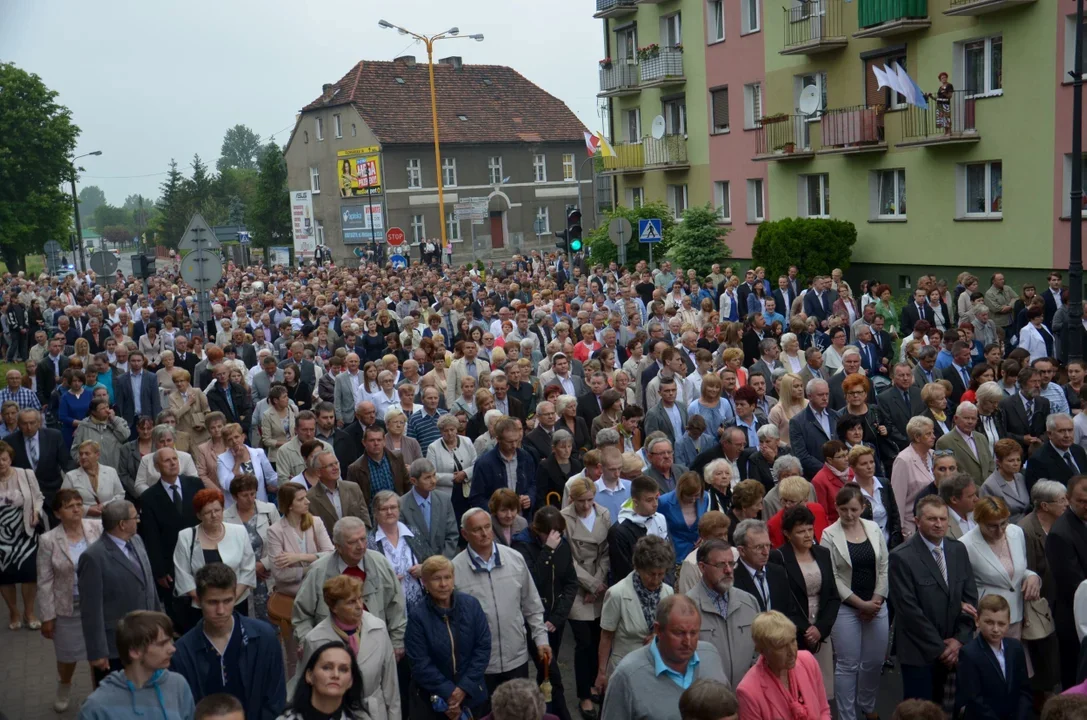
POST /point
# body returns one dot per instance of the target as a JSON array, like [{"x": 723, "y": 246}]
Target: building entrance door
[{"x": 498, "y": 240}]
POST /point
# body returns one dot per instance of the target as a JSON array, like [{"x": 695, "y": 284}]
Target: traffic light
[
  {"x": 573, "y": 231},
  {"x": 145, "y": 266},
  {"x": 561, "y": 244}
]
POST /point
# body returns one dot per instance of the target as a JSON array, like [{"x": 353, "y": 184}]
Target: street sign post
[
  {"x": 52, "y": 256},
  {"x": 202, "y": 269},
  {"x": 104, "y": 263},
  {"x": 620, "y": 233},
  {"x": 649, "y": 232},
  {"x": 198, "y": 236},
  {"x": 399, "y": 262},
  {"x": 395, "y": 237}
]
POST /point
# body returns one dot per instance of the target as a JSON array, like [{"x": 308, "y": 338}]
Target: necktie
[
  {"x": 1030, "y": 411},
  {"x": 965, "y": 377},
  {"x": 760, "y": 576},
  {"x": 132, "y": 555},
  {"x": 34, "y": 455},
  {"x": 175, "y": 492},
  {"x": 906, "y": 399},
  {"x": 472, "y": 369},
  {"x": 875, "y": 339},
  {"x": 1068, "y": 461},
  {"x": 938, "y": 553}
]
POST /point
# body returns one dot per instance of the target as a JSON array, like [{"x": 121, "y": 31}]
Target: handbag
[
  {"x": 279, "y": 609},
  {"x": 1037, "y": 619}
]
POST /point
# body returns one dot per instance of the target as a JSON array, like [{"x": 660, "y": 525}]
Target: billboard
[
  {"x": 362, "y": 222},
  {"x": 302, "y": 224},
  {"x": 359, "y": 172}
]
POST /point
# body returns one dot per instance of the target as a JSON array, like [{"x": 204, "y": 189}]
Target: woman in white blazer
[
  {"x": 213, "y": 540},
  {"x": 859, "y": 557},
  {"x": 452, "y": 455},
  {"x": 1032, "y": 336},
  {"x": 998, "y": 556},
  {"x": 97, "y": 484},
  {"x": 240, "y": 459}
]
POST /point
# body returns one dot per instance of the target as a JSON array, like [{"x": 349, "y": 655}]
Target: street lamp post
[
  {"x": 77, "y": 246},
  {"x": 1075, "y": 252},
  {"x": 451, "y": 33}
]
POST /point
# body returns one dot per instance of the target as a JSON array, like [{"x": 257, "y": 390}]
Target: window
[
  {"x": 452, "y": 227},
  {"x": 449, "y": 172},
  {"x": 719, "y": 107},
  {"x": 415, "y": 173},
  {"x": 755, "y": 211},
  {"x": 494, "y": 169},
  {"x": 875, "y": 95},
  {"x": 539, "y": 168},
  {"x": 337, "y": 125},
  {"x": 568, "y": 167},
  {"x": 722, "y": 201},
  {"x": 542, "y": 226},
  {"x": 314, "y": 180},
  {"x": 675, "y": 117},
  {"x": 815, "y": 196},
  {"x": 627, "y": 42},
  {"x": 633, "y": 125},
  {"x": 305, "y": 136},
  {"x": 319, "y": 128},
  {"x": 418, "y": 228},
  {"x": 984, "y": 190},
  {"x": 890, "y": 194},
  {"x": 319, "y": 231},
  {"x": 671, "y": 31},
  {"x": 749, "y": 16},
  {"x": 354, "y": 130},
  {"x": 717, "y": 21},
  {"x": 819, "y": 80},
  {"x": 1070, "y": 48},
  {"x": 752, "y": 105},
  {"x": 635, "y": 197},
  {"x": 677, "y": 200},
  {"x": 1066, "y": 200},
  {"x": 983, "y": 66}
]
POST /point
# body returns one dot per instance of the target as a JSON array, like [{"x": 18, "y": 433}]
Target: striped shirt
[
  {"x": 25, "y": 397},
  {"x": 424, "y": 428}
]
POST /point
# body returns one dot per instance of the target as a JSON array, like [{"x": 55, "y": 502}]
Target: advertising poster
[
  {"x": 362, "y": 222},
  {"x": 302, "y": 223},
  {"x": 359, "y": 172}
]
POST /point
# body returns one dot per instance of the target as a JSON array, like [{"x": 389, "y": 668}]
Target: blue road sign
[
  {"x": 398, "y": 261},
  {"x": 359, "y": 252},
  {"x": 649, "y": 231}
]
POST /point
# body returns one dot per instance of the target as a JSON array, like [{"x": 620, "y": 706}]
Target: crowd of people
[{"x": 378, "y": 493}]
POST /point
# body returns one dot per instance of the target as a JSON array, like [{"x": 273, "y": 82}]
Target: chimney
[
  {"x": 453, "y": 61},
  {"x": 326, "y": 91},
  {"x": 408, "y": 60}
]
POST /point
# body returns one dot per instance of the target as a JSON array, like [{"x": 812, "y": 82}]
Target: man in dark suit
[
  {"x": 1066, "y": 554},
  {"x": 115, "y": 578},
  {"x": 926, "y": 371},
  {"x": 229, "y": 398},
  {"x": 784, "y": 296},
  {"x": 934, "y": 593},
  {"x": 137, "y": 392},
  {"x": 245, "y": 351},
  {"x": 589, "y": 404},
  {"x": 897, "y": 404},
  {"x": 914, "y": 311},
  {"x": 851, "y": 365},
  {"x": 165, "y": 510},
  {"x": 654, "y": 367},
  {"x": 742, "y": 291},
  {"x": 769, "y": 350},
  {"x": 958, "y": 372},
  {"x": 813, "y": 427},
  {"x": 50, "y": 369},
  {"x": 182, "y": 357},
  {"x": 872, "y": 359},
  {"x": 813, "y": 366},
  {"x": 988, "y": 687},
  {"x": 95, "y": 335},
  {"x": 500, "y": 388},
  {"x": 819, "y": 301},
  {"x": 1060, "y": 458},
  {"x": 1025, "y": 412},
  {"x": 538, "y": 441},
  {"x": 767, "y": 581},
  {"x": 882, "y": 340},
  {"x": 1052, "y": 298},
  {"x": 42, "y": 450}
]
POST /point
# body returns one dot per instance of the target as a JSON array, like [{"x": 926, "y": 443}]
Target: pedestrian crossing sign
[{"x": 649, "y": 231}]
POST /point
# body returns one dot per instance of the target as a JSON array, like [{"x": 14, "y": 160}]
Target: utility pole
[{"x": 1074, "y": 336}]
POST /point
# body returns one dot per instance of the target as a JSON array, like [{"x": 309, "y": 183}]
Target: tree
[
  {"x": 816, "y": 246},
  {"x": 141, "y": 209},
  {"x": 107, "y": 215},
  {"x": 603, "y": 250},
  {"x": 200, "y": 185},
  {"x": 37, "y": 140},
  {"x": 241, "y": 149},
  {"x": 269, "y": 217},
  {"x": 90, "y": 197},
  {"x": 698, "y": 242},
  {"x": 117, "y": 234},
  {"x": 173, "y": 208}
]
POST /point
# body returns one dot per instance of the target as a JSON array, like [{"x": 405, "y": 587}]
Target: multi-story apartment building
[
  {"x": 924, "y": 187},
  {"x": 364, "y": 149}
]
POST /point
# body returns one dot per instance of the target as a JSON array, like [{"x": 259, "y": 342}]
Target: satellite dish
[
  {"x": 809, "y": 100},
  {"x": 658, "y": 128}
]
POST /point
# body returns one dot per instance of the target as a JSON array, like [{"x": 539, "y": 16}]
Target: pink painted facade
[
  {"x": 735, "y": 62},
  {"x": 1063, "y": 136}
]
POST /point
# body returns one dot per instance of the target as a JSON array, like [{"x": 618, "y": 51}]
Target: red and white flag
[{"x": 592, "y": 143}]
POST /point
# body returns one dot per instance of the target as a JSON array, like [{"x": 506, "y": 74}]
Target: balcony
[
  {"x": 661, "y": 67},
  {"x": 614, "y": 8},
  {"x": 814, "y": 27},
  {"x": 784, "y": 138},
  {"x": 948, "y": 122},
  {"x": 667, "y": 153},
  {"x": 853, "y": 130},
  {"x": 885, "y": 18},
  {"x": 981, "y": 7},
  {"x": 619, "y": 78}
]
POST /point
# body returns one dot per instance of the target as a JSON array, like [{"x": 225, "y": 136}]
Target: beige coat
[
  {"x": 283, "y": 539},
  {"x": 289, "y": 462},
  {"x": 190, "y": 416},
  {"x": 589, "y": 550},
  {"x": 622, "y": 615},
  {"x": 57, "y": 572},
  {"x": 206, "y": 461},
  {"x": 109, "y": 486},
  {"x": 731, "y": 635},
  {"x": 271, "y": 430},
  {"x": 32, "y": 497},
  {"x": 834, "y": 540}
]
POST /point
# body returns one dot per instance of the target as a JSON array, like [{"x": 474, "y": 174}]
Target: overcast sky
[{"x": 148, "y": 80}]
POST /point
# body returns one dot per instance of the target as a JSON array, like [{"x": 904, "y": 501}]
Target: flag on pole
[
  {"x": 591, "y": 143},
  {"x": 881, "y": 77},
  {"x": 605, "y": 147},
  {"x": 893, "y": 81}
]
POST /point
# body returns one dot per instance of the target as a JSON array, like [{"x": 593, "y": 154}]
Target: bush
[
  {"x": 698, "y": 242},
  {"x": 815, "y": 246},
  {"x": 602, "y": 250}
]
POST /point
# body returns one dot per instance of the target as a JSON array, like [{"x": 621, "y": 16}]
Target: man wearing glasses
[
  {"x": 662, "y": 465},
  {"x": 727, "y": 611}
]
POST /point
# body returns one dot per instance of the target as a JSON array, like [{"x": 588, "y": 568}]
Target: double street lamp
[
  {"x": 450, "y": 34},
  {"x": 77, "y": 246},
  {"x": 1074, "y": 336}
]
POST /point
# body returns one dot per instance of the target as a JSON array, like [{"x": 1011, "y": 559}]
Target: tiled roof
[{"x": 498, "y": 104}]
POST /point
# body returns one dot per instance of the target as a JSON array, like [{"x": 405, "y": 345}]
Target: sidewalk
[{"x": 28, "y": 677}]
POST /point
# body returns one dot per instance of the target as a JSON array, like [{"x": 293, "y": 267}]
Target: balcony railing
[
  {"x": 669, "y": 152},
  {"x": 614, "y": 8},
  {"x": 784, "y": 137},
  {"x": 814, "y": 27},
  {"x": 883, "y": 18},
  {"x": 619, "y": 78},
  {"x": 853, "y": 130},
  {"x": 980, "y": 7},
  {"x": 944, "y": 122},
  {"x": 663, "y": 68}
]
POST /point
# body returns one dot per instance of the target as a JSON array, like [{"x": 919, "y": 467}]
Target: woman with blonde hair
[
  {"x": 791, "y": 402},
  {"x": 785, "y": 682},
  {"x": 934, "y": 395},
  {"x": 795, "y": 491},
  {"x": 83, "y": 352},
  {"x": 733, "y": 358},
  {"x": 396, "y": 441},
  {"x": 165, "y": 374},
  {"x": 190, "y": 407}
]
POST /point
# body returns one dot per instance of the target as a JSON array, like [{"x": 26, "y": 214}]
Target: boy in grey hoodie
[{"x": 144, "y": 689}]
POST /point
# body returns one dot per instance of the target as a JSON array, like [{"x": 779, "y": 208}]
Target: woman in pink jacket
[
  {"x": 784, "y": 684},
  {"x": 912, "y": 469}
]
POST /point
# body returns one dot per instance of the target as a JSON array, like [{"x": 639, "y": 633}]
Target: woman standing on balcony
[{"x": 943, "y": 103}]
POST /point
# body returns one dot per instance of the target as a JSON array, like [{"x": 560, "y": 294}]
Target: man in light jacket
[
  {"x": 289, "y": 462},
  {"x": 500, "y": 581},
  {"x": 727, "y": 611}
]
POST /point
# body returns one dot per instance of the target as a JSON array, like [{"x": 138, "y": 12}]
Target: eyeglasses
[
  {"x": 944, "y": 453},
  {"x": 730, "y": 564}
]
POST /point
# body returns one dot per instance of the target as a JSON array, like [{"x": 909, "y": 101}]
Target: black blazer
[
  {"x": 1015, "y": 419},
  {"x": 910, "y": 316},
  {"x": 837, "y": 395},
  {"x": 551, "y": 479},
  {"x": 896, "y": 414},
  {"x": 806, "y": 438},
  {"x": 588, "y": 408},
  {"x": 538, "y": 443},
  {"x": 188, "y": 362},
  {"x": 781, "y": 595},
  {"x": 53, "y": 460},
  {"x": 750, "y": 344},
  {"x": 46, "y": 378},
  {"x": 752, "y": 464},
  {"x": 1066, "y": 556},
  {"x": 958, "y": 387},
  {"x": 150, "y": 398},
  {"x": 829, "y": 600},
  {"x": 582, "y": 439},
  {"x": 242, "y": 413},
  {"x": 1047, "y": 464},
  {"x": 936, "y": 429},
  {"x": 983, "y": 692},
  {"x": 894, "y": 520},
  {"x": 160, "y": 522}
]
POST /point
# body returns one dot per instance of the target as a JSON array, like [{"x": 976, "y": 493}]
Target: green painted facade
[
  {"x": 1016, "y": 128},
  {"x": 693, "y": 32}
]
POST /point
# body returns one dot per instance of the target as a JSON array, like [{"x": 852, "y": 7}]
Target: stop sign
[{"x": 394, "y": 236}]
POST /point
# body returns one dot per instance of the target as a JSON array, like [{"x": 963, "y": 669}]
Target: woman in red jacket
[{"x": 793, "y": 491}]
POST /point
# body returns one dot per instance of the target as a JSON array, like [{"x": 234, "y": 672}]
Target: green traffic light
[{"x": 575, "y": 245}]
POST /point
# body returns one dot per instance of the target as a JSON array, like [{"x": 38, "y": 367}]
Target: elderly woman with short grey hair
[
  {"x": 487, "y": 440},
  {"x": 403, "y": 547},
  {"x": 1049, "y": 499},
  {"x": 912, "y": 469},
  {"x": 568, "y": 419},
  {"x": 990, "y": 422},
  {"x": 785, "y": 466},
  {"x": 453, "y": 458},
  {"x": 553, "y": 472}
]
